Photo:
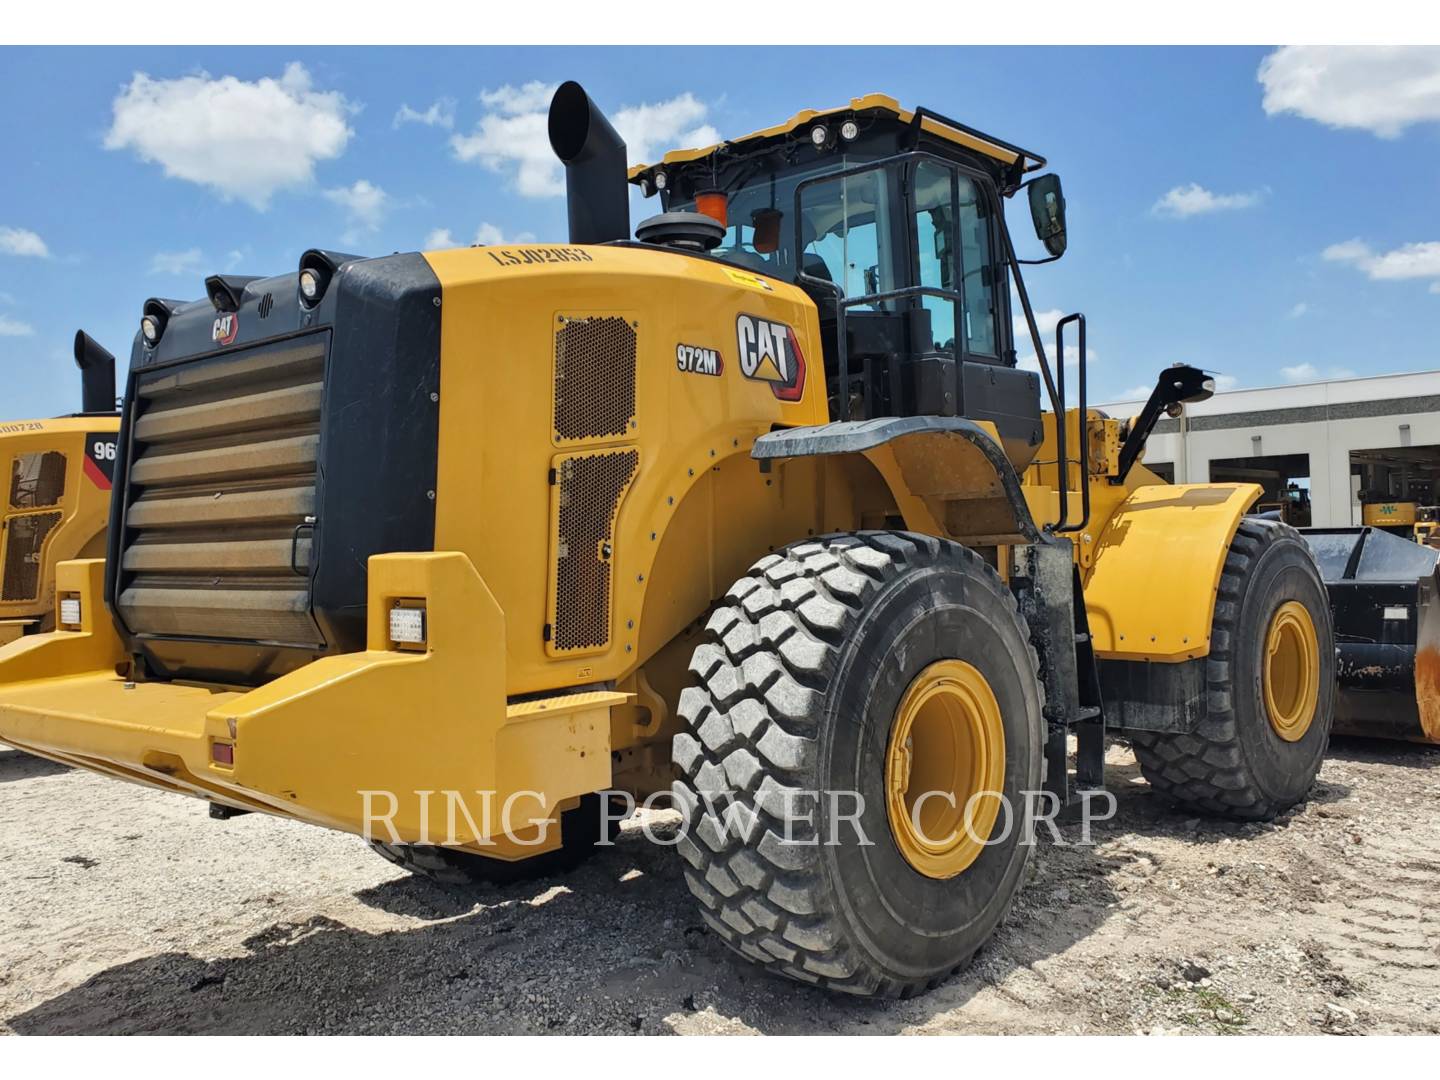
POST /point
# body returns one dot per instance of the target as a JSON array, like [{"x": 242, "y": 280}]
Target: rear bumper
[{"x": 339, "y": 741}]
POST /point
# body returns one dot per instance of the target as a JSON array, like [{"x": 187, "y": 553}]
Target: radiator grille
[
  {"x": 37, "y": 480},
  {"x": 222, "y": 471},
  {"x": 590, "y": 489},
  {"x": 24, "y": 547},
  {"x": 594, "y": 377}
]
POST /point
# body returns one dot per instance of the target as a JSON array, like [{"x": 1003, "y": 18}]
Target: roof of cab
[{"x": 941, "y": 127}]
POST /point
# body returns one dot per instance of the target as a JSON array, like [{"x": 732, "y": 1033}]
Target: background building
[{"x": 1320, "y": 450}]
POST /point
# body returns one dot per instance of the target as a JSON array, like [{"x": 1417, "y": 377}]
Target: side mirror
[{"x": 1047, "y": 210}]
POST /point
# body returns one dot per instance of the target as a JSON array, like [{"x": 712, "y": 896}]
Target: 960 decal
[{"x": 698, "y": 360}]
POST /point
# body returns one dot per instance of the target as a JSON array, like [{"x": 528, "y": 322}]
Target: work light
[
  {"x": 70, "y": 612},
  {"x": 407, "y": 627}
]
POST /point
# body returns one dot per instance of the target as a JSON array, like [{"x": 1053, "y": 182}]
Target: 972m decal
[{"x": 698, "y": 360}]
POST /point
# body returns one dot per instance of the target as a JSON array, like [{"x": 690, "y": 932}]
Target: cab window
[
  {"x": 938, "y": 190},
  {"x": 845, "y": 233}
]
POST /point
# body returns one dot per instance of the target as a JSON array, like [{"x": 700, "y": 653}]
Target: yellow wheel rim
[
  {"x": 1292, "y": 671},
  {"x": 945, "y": 769}
]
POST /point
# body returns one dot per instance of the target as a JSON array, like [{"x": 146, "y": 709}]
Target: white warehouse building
[{"x": 1320, "y": 450}]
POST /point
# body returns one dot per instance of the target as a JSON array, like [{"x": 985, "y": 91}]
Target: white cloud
[
  {"x": 12, "y": 327},
  {"x": 1225, "y": 382},
  {"x": 178, "y": 263},
  {"x": 365, "y": 207},
  {"x": 485, "y": 236},
  {"x": 244, "y": 140},
  {"x": 1298, "y": 310},
  {"x": 1406, "y": 262},
  {"x": 15, "y": 241},
  {"x": 1308, "y": 372},
  {"x": 439, "y": 114},
  {"x": 1435, "y": 287},
  {"x": 1045, "y": 322},
  {"x": 650, "y": 130},
  {"x": 515, "y": 100},
  {"x": 1191, "y": 199},
  {"x": 513, "y": 137},
  {"x": 1378, "y": 88}
]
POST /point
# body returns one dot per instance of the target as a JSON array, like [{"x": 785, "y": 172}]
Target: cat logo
[
  {"x": 225, "y": 328},
  {"x": 770, "y": 353}
]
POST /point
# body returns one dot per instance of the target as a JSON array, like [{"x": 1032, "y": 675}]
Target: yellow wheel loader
[
  {"x": 753, "y": 512},
  {"x": 56, "y": 497}
]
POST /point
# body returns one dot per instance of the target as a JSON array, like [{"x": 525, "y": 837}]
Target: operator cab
[{"x": 891, "y": 221}]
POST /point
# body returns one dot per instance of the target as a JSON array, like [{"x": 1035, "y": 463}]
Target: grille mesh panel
[
  {"x": 37, "y": 480},
  {"x": 24, "y": 544},
  {"x": 222, "y": 470},
  {"x": 594, "y": 378},
  {"x": 590, "y": 491}
]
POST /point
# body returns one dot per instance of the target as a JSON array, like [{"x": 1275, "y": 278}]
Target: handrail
[
  {"x": 965, "y": 129},
  {"x": 1061, "y": 423}
]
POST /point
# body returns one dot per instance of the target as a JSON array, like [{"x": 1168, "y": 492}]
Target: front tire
[
  {"x": 814, "y": 664},
  {"x": 1270, "y": 682}
]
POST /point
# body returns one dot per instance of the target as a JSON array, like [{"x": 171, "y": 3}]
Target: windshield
[{"x": 760, "y": 232}]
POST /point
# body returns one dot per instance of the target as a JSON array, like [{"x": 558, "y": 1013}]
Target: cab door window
[
  {"x": 977, "y": 257},
  {"x": 951, "y": 208}
]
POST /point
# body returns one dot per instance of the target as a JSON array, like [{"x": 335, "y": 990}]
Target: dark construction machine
[
  {"x": 1383, "y": 597},
  {"x": 753, "y": 511}
]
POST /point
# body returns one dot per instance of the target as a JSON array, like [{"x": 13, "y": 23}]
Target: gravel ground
[{"x": 129, "y": 910}]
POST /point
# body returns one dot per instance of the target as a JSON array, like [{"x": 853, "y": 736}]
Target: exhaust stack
[
  {"x": 97, "y": 374},
  {"x": 596, "y": 187}
]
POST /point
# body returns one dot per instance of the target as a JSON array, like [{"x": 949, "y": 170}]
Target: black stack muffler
[
  {"x": 596, "y": 188},
  {"x": 97, "y": 374}
]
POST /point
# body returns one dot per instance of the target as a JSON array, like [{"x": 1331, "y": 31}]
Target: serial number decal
[
  {"x": 699, "y": 361},
  {"x": 534, "y": 256},
  {"x": 16, "y": 429}
]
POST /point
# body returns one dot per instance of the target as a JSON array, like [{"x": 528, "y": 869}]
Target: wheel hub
[
  {"x": 1291, "y": 676},
  {"x": 945, "y": 769}
]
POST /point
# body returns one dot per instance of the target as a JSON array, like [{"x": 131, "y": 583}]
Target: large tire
[
  {"x": 799, "y": 679},
  {"x": 1237, "y": 763},
  {"x": 579, "y": 836}
]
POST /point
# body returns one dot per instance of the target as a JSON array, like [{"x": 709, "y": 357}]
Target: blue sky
[{"x": 1273, "y": 232}]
